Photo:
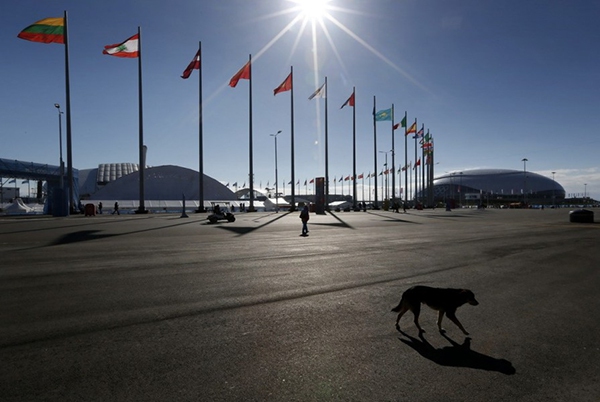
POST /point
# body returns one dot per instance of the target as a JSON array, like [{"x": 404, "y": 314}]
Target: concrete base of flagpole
[{"x": 141, "y": 211}]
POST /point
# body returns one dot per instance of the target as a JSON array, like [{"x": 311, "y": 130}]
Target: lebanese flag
[
  {"x": 243, "y": 74},
  {"x": 349, "y": 102},
  {"x": 286, "y": 85},
  {"x": 129, "y": 48},
  {"x": 194, "y": 65}
]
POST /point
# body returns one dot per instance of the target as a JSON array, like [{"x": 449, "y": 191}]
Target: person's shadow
[{"x": 458, "y": 355}]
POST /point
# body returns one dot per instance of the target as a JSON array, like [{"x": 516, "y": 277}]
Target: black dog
[{"x": 445, "y": 301}]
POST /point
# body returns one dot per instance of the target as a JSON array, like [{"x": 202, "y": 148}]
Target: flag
[
  {"x": 48, "y": 30},
  {"x": 396, "y": 126},
  {"x": 420, "y": 133},
  {"x": 319, "y": 93},
  {"x": 346, "y": 178},
  {"x": 381, "y": 173},
  {"x": 13, "y": 181},
  {"x": 305, "y": 182},
  {"x": 349, "y": 102},
  {"x": 427, "y": 145},
  {"x": 403, "y": 122},
  {"x": 361, "y": 176},
  {"x": 386, "y": 172},
  {"x": 244, "y": 184},
  {"x": 286, "y": 85},
  {"x": 298, "y": 182},
  {"x": 383, "y": 115},
  {"x": 128, "y": 48},
  {"x": 227, "y": 185},
  {"x": 25, "y": 181},
  {"x": 234, "y": 184},
  {"x": 341, "y": 178},
  {"x": 311, "y": 181},
  {"x": 290, "y": 182},
  {"x": 417, "y": 163},
  {"x": 244, "y": 74},
  {"x": 194, "y": 65},
  {"x": 412, "y": 129}
]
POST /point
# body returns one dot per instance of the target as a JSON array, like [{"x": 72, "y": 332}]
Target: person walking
[
  {"x": 100, "y": 207},
  {"x": 116, "y": 210},
  {"x": 304, "y": 215}
]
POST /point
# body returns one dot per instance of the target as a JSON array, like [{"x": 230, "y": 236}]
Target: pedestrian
[
  {"x": 100, "y": 207},
  {"x": 304, "y": 215},
  {"x": 116, "y": 210},
  {"x": 404, "y": 206}
]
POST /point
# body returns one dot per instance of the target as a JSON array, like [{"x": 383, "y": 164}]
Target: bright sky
[{"x": 493, "y": 81}]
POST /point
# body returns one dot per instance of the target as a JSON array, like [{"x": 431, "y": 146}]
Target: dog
[{"x": 445, "y": 301}]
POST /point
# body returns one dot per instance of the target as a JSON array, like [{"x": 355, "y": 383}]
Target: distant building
[
  {"x": 121, "y": 182},
  {"x": 496, "y": 186}
]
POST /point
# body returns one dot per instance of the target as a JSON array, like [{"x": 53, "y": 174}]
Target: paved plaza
[{"x": 164, "y": 308}]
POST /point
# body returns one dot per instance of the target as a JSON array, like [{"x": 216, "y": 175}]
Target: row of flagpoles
[{"x": 54, "y": 30}]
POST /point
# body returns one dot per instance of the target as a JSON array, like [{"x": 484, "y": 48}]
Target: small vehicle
[{"x": 221, "y": 214}]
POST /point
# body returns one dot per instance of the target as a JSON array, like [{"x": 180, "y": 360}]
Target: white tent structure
[{"x": 18, "y": 207}]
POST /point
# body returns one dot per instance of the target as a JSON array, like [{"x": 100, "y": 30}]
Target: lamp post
[
  {"x": 386, "y": 176},
  {"x": 553, "y": 191},
  {"x": 276, "y": 178},
  {"x": 524, "y": 160},
  {"x": 61, "y": 168},
  {"x": 584, "y": 194}
]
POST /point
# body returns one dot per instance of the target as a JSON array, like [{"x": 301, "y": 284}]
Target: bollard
[{"x": 183, "y": 214}]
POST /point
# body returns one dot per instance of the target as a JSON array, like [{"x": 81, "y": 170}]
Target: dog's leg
[
  {"x": 403, "y": 309},
  {"x": 439, "y": 321},
  {"x": 452, "y": 317},
  {"x": 416, "y": 311}
]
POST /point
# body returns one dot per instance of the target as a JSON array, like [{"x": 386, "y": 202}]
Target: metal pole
[{"x": 276, "y": 178}]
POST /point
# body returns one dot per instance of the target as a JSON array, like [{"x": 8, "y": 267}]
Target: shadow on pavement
[
  {"x": 243, "y": 230},
  {"x": 458, "y": 355},
  {"x": 392, "y": 218}
]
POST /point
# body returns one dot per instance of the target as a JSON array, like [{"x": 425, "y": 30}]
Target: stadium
[{"x": 497, "y": 187}]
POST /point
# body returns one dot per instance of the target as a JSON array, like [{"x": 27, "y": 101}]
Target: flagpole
[
  {"x": 405, "y": 157},
  {"x": 70, "y": 204},
  {"x": 375, "y": 151},
  {"x": 200, "y": 136},
  {"x": 141, "y": 209},
  {"x": 393, "y": 160},
  {"x": 354, "y": 150},
  {"x": 326, "y": 151},
  {"x": 251, "y": 170},
  {"x": 415, "y": 168},
  {"x": 423, "y": 166},
  {"x": 293, "y": 200}
]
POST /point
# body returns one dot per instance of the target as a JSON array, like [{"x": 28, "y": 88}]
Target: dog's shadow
[{"x": 458, "y": 355}]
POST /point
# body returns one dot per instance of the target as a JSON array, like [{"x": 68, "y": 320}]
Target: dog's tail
[{"x": 398, "y": 307}]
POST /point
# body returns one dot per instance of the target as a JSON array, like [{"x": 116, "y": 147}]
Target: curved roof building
[
  {"x": 498, "y": 185},
  {"x": 161, "y": 183}
]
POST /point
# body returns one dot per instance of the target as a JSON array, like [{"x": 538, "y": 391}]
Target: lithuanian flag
[{"x": 48, "y": 30}]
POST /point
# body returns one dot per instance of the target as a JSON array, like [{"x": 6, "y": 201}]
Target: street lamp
[
  {"x": 524, "y": 160},
  {"x": 386, "y": 176},
  {"x": 276, "y": 178},
  {"x": 61, "y": 168},
  {"x": 553, "y": 191}
]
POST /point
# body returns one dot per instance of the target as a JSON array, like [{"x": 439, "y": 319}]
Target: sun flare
[{"x": 312, "y": 9}]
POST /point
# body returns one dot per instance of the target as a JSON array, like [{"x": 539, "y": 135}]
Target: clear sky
[{"x": 493, "y": 81}]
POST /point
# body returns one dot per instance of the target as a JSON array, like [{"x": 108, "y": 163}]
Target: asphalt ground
[{"x": 164, "y": 308}]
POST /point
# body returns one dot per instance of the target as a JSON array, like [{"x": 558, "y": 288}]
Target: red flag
[
  {"x": 194, "y": 65},
  {"x": 286, "y": 85},
  {"x": 244, "y": 74},
  {"x": 396, "y": 126},
  {"x": 350, "y": 101},
  {"x": 346, "y": 178},
  {"x": 360, "y": 176},
  {"x": 311, "y": 181},
  {"x": 418, "y": 163}
]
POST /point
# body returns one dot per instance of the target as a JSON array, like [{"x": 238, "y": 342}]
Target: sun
[{"x": 312, "y": 9}]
